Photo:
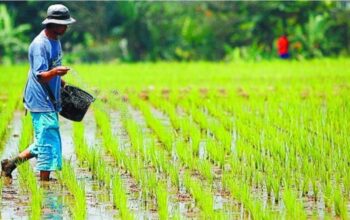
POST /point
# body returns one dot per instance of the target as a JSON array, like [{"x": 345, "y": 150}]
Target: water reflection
[{"x": 52, "y": 201}]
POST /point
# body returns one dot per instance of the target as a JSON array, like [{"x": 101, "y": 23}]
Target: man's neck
[{"x": 50, "y": 34}]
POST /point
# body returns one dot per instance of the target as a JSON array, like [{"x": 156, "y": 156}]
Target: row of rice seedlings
[
  {"x": 214, "y": 108},
  {"x": 214, "y": 148},
  {"x": 314, "y": 182},
  {"x": 203, "y": 166},
  {"x": 101, "y": 169},
  {"x": 308, "y": 170},
  {"x": 316, "y": 135},
  {"x": 68, "y": 178},
  {"x": 158, "y": 157},
  {"x": 111, "y": 145},
  {"x": 293, "y": 208},
  {"x": 275, "y": 184},
  {"x": 120, "y": 198},
  {"x": 91, "y": 156},
  {"x": 207, "y": 123},
  {"x": 162, "y": 201},
  {"x": 190, "y": 132},
  {"x": 260, "y": 160},
  {"x": 166, "y": 137},
  {"x": 308, "y": 153},
  {"x": 203, "y": 196},
  {"x": 211, "y": 147},
  {"x": 250, "y": 133},
  {"x": 241, "y": 191},
  {"x": 147, "y": 181},
  {"x": 340, "y": 204},
  {"x": 186, "y": 156},
  {"x": 27, "y": 177},
  {"x": 183, "y": 151},
  {"x": 250, "y": 173}
]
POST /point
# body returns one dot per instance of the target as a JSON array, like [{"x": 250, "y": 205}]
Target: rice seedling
[
  {"x": 202, "y": 196},
  {"x": 120, "y": 198},
  {"x": 27, "y": 177},
  {"x": 162, "y": 201},
  {"x": 293, "y": 208},
  {"x": 284, "y": 135},
  {"x": 340, "y": 206},
  {"x": 68, "y": 178}
]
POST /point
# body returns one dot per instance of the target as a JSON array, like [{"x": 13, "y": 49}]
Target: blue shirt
[{"x": 44, "y": 54}]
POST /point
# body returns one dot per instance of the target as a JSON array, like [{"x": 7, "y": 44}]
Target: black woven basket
[{"x": 75, "y": 103}]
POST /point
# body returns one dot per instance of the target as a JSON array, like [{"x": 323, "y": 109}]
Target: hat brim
[{"x": 57, "y": 21}]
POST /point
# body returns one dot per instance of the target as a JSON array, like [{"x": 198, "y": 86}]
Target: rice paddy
[{"x": 267, "y": 140}]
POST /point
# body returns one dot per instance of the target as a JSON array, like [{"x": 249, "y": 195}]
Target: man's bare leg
[
  {"x": 44, "y": 175},
  {"x": 25, "y": 155},
  {"x": 7, "y": 166}
]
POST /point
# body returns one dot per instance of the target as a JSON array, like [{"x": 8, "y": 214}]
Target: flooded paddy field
[{"x": 190, "y": 141}]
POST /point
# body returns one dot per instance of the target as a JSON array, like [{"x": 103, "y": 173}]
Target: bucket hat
[{"x": 58, "y": 14}]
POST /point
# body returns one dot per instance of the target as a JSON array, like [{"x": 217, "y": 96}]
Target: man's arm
[{"x": 46, "y": 76}]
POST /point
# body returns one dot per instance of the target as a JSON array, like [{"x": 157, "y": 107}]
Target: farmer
[
  {"x": 282, "y": 46},
  {"x": 45, "y": 74}
]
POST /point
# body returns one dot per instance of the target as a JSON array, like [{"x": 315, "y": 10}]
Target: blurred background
[{"x": 182, "y": 31}]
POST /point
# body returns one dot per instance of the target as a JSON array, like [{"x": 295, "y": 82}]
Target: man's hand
[
  {"x": 57, "y": 71},
  {"x": 61, "y": 70}
]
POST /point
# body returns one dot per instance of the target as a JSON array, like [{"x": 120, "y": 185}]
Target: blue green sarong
[{"x": 47, "y": 147}]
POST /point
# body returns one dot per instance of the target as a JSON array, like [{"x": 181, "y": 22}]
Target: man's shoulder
[{"x": 39, "y": 42}]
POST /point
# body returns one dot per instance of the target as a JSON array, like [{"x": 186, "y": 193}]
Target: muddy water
[
  {"x": 14, "y": 203},
  {"x": 11, "y": 146},
  {"x": 54, "y": 196},
  {"x": 90, "y": 130},
  {"x": 66, "y": 130},
  {"x": 118, "y": 130}
]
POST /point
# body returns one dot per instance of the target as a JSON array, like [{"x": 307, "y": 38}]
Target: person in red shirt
[{"x": 282, "y": 45}]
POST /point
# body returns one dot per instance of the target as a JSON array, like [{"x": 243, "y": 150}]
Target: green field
[{"x": 265, "y": 140}]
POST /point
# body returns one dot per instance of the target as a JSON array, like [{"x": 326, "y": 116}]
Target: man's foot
[{"x": 7, "y": 166}]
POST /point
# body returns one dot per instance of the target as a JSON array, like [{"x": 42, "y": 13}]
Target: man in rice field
[{"x": 44, "y": 82}]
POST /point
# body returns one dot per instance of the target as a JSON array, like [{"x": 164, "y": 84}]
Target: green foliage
[
  {"x": 12, "y": 38},
  {"x": 134, "y": 31}
]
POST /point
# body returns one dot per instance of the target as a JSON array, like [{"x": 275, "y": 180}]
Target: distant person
[
  {"x": 45, "y": 57},
  {"x": 283, "y": 46}
]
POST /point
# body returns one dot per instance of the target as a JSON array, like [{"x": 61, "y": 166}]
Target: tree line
[{"x": 182, "y": 30}]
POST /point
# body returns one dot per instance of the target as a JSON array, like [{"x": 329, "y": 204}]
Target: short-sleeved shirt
[{"x": 44, "y": 54}]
